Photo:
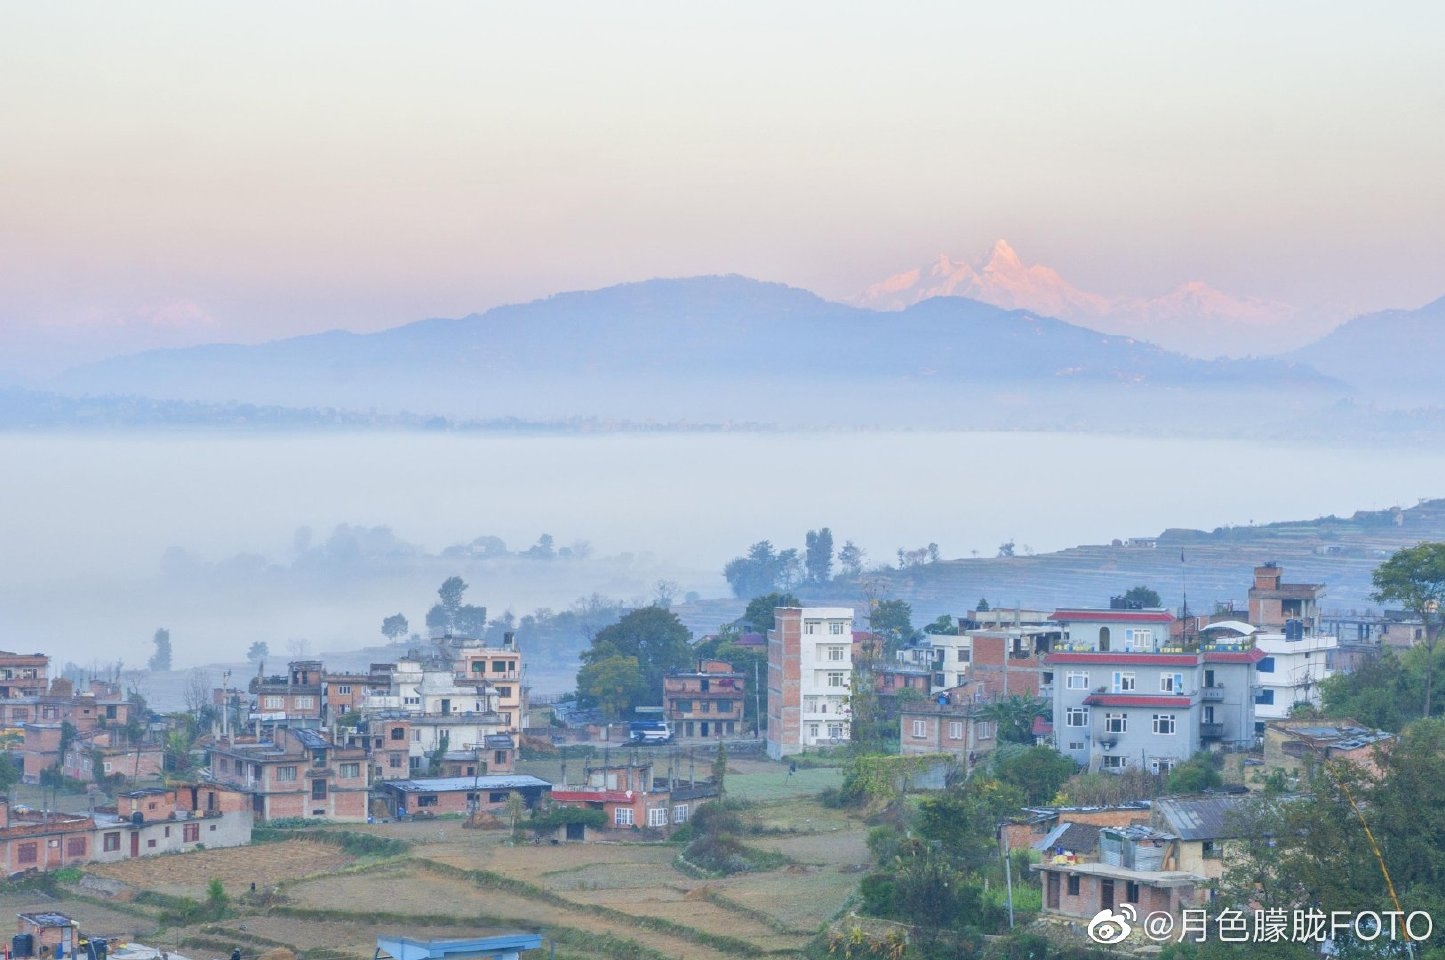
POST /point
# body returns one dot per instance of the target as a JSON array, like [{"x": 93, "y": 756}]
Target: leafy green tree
[
  {"x": 1381, "y": 692},
  {"x": 437, "y": 757},
  {"x": 395, "y": 627},
  {"x": 1015, "y": 715},
  {"x": 983, "y": 606},
  {"x": 762, "y": 570},
  {"x": 470, "y": 620},
  {"x": 437, "y": 617},
  {"x": 451, "y": 592},
  {"x": 1197, "y": 774},
  {"x": 161, "y": 659},
  {"x": 944, "y": 625},
  {"x": 818, "y": 555},
  {"x": 1415, "y": 578},
  {"x": 614, "y": 684},
  {"x": 760, "y": 612},
  {"x": 257, "y": 651},
  {"x": 1038, "y": 772},
  {"x": 850, "y": 559},
  {"x": 893, "y": 621},
  {"x": 655, "y": 638},
  {"x": 1141, "y": 598}
]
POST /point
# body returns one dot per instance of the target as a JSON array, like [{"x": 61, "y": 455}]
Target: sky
[{"x": 173, "y": 173}]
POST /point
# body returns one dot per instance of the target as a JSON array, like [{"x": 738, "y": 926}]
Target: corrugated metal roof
[
  {"x": 448, "y": 784},
  {"x": 1204, "y": 818}
]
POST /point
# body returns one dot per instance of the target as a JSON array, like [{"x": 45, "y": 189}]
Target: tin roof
[{"x": 450, "y": 784}]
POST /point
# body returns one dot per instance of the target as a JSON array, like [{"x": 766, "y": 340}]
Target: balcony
[
  {"x": 1214, "y": 693},
  {"x": 1211, "y": 731}
]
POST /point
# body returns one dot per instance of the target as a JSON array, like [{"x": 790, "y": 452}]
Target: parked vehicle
[{"x": 649, "y": 731}]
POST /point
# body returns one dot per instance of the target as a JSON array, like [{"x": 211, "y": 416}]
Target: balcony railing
[
  {"x": 1211, "y": 731},
  {"x": 1214, "y": 693}
]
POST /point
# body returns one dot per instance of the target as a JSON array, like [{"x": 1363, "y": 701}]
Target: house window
[
  {"x": 835, "y": 679},
  {"x": 150, "y": 843},
  {"x": 1265, "y": 697},
  {"x": 1115, "y": 762},
  {"x": 75, "y": 847},
  {"x": 1077, "y": 717},
  {"x": 1266, "y": 665},
  {"x": 920, "y": 728},
  {"x": 813, "y": 730},
  {"x": 835, "y": 731},
  {"x": 1164, "y": 723},
  {"x": 191, "y": 833},
  {"x": 679, "y": 813},
  {"x": 1073, "y": 884},
  {"x": 1076, "y": 744},
  {"x": 504, "y": 691},
  {"x": 1077, "y": 680},
  {"x": 683, "y": 706},
  {"x": 1161, "y": 765},
  {"x": 1139, "y": 639},
  {"x": 835, "y": 653},
  {"x": 985, "y": 729},
  {"x": 394, "y": 761},
  {"x": 398, "y": 733},
  {"x": 724, "y": 706},
  {"x": 1116, "y": 723},
  {"x": 343, "y": 689},
  {"x": 351, "y": 769},
  {"x": 622, "y": 816},
  {"x": 479, "y": 666},
  {"x": 955, "y": 730},
  {"x": 275, "y": 703},
  {"x": 657, "y": 817},
  {"x": 964, "y": 655},
  {"x": 411, "y": 701},
  {"x": 1171, "y": 683},
  {"x": 426, "y": 800},
  {"x": 1123, "y": 682},
  {"x": 111, "y": 842},
  {"x": 499, "y": 666},
  {"x": 285, "y": 774},
  {"x": 318, "y": 789},
  {"x": 305, "y": 703},
  {"x": 1131, "y": 891},
  {"x": 496, "y": 796},
  {"x": 499, "y": 757},
  {"x": 836, "y": 629}
]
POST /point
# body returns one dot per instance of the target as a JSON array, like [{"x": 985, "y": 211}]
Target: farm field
[{"x": 615, "y": 899}]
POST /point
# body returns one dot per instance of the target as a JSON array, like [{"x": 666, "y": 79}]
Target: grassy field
[{"x": 615, "y": 899}]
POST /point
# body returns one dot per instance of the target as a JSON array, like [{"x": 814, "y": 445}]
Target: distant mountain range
[
  {"x": 1195, "y": 318},
  {"x": 1395, "y": 356},
  {"x": 714, "y": 349}
]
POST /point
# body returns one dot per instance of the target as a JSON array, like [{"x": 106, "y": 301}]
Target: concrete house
[
  {"x": 298, "y": 773},
  {"x": 435, "y": 796},
  {"x": 810, "y": 674},
  {"x": 706, "y": 703}
]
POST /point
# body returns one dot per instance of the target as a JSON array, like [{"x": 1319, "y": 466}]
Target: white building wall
[
  {"x": 827, "y": 675},
  {"x": 1299, "y": 667}
]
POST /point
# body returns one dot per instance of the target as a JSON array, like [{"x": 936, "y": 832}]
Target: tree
[
  {"x": 470, "y": 621},
  {"x": 437, "y": 617},
  {"x": 943, "y": 625},
  {"x": 763, "y": 570},
  {"x": 720, "y": 767},
  {"x": 761, "y": 612},
  {"x": 850, "y": 559},
  {"x": 983, "y": 606},
  {"x": 1415, "y": 578},
  {"x": 395, "y": 627},
  {"x": 450, "y": 593},
  {"x": 893, "y": 620},
  {"x": 655, "y": 638},
  {"x": 613, "y": 684},
  {"x": 1015, "y": 716},
  {"x": 1006, "y": 549},
  {"x": 161, "y": 659},
  {"x": 257, "y": 651},
  {"x": 818, "y": 555},
  {"x": 1141, "y": 598},
  {"x": 1038, "y": 772}
]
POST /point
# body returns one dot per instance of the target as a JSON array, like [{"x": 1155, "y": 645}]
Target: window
[
  {"x": 679, "y": 813},
  {"x": 479, "y": 666},
  {"x": 1073, "y": 884},
  {"x": 1161, "y": 764},
  {"x": 344, "y": 689},
  {"x": 1164, "y": 723},
  {"x": 836, "y": 629},
  {"x": 411, "y": 701},
  {"x": 351, "y": 770},
  {"x": 394, "y": 761},
  {"x": 499, "y": 666},
  {"x": 504, "y": 691},
  {"x": 1266, "y": 665},
  {"x": 835, "y": 653},
  {"x": 683, "y": 706},
  {"x": 318, "y": 790},
  {"x": 496, "y": 796},
  {"x": 706, "y": 707},
  {"x": 111, "y": 842},
  {"x": 1131, "y": 891},
  {"x": 275, "y": 703},
  {"x": 724, "y": 706},
  {"x": 1265, "y": 697},
  {"x": 1076, "y": 744},
  {"x": 1116, "y": 723},
  {"x": 29, "y": 852},
  {"x": 955, "y": 730},
  {"x": 75, "y": 846},
  {"x": 416, "y": 736},
  {"x": 657, "y": 817},
  {"x": 1115, "y": 762},
  {"x": 920, "y": 728},
  {"x": 191, "y": 833},
  {"x": 835, "y": 679},
  {"x": 426, "y": 800},
  {"x": 285, "y": 774},
  {"x": 622, "y": 816},
  {"x": 1139, "y": 639},
  {"x": 810, "y": 627},
  {"x": 150, "y": 843},
  {"x": 813, "y": 730},
  {"x": 1077, "y": 681},
  {"x": 835, "y": 731},
  {"x": 964, "y": 655},
  {"x": 499, "y": 757},
  {"x": 305, "y": 703},
  {"x": 1171, "y": 683},
  {"x": 1123, "y": 682},
  {"x": 398, "y": 733},
  {"x": 985, "y": 729},
  {"x": 1076, "y": 717}
]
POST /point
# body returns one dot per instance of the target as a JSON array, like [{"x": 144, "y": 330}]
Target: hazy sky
[{"x": 175, "y": 172}]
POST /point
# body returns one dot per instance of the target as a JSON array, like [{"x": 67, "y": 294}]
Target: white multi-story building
[{"x": 810, "y": 676}]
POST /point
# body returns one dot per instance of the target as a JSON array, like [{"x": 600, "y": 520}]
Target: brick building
[
  {"x": 706, "y": 703},
  {"x": 810, "y": 673},
  {"x": 299, "y": 773},
  {"x": 435, "y": 796}
]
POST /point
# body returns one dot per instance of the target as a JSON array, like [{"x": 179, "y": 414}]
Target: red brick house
[
  {"x": 299, "y": 773},
  {"x": 706, "y": 703},
  {"x": 632, "y": 800}
]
